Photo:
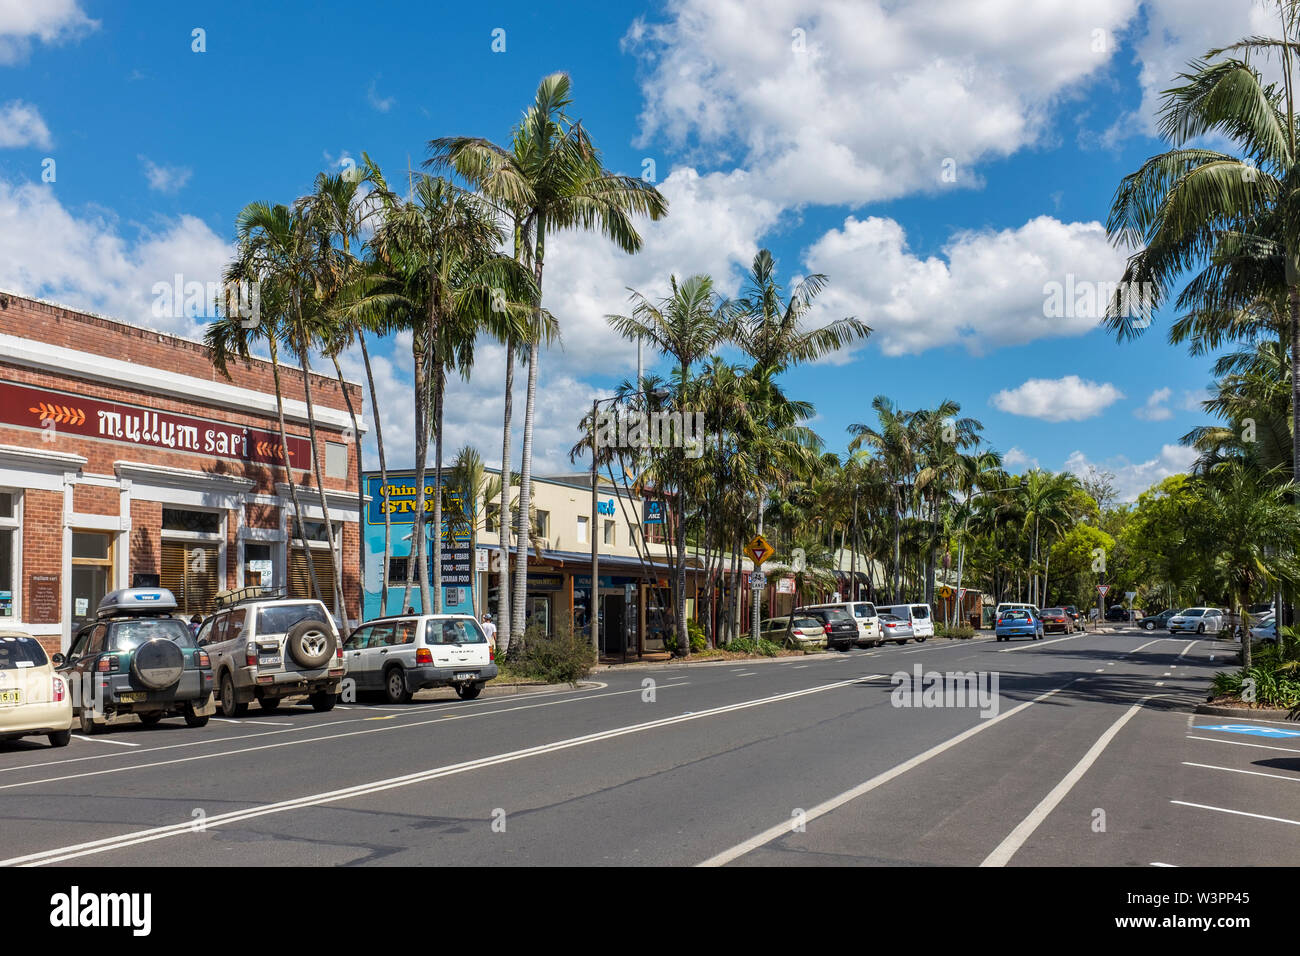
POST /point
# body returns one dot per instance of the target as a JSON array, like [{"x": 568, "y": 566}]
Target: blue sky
[{"x": 820, "y": 130}]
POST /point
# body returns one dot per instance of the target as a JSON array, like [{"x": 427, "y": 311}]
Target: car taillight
[
  {"x": 338, "y": 652},
  {"x": 492, "y": 653},
  {"x": 106, "y": 665},
  {"x": 828, "y": 628},
  {"x": 250, "y": 655},
  {"x": 203, "y": 659},
  {"x": 423, "y": 655},
  {"x": 60, "y": 689}
]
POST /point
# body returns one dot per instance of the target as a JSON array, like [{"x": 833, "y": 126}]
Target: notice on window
[
  {"x": 43, "y": 598},
  {"x": 82, "y": 606}
]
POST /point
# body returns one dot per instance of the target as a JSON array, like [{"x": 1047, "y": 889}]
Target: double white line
[{"x": 60, "y": 854}]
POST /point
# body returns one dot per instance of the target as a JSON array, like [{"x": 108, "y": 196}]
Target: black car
[
  {"x": 841, "y": 627},
  {"x": 1075, "y": 614},
  {"x": 1117, "y": 612},
  {"x": 1158, "y": 620}
]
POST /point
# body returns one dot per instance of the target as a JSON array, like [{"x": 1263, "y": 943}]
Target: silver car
[
  {"x": 400, "y": 655},
  {"x": 896, "y": 629},
  {"x": 1202, "y": 620}
]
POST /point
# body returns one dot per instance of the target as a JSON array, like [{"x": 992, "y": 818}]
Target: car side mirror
[{"x": 58, "y": 660}]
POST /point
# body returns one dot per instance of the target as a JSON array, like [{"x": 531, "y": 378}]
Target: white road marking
[
  {"x": 104, "y": 740},
  {"x": 1160, "y": 683},
  {"x": 1253, "y": 773},
  {"x": 227, "y": 720},
  {"x": 798, "y": 667},
  {"x": 1242, "y": 743},
  {"x": 59, "y": 854},
  {"x": 1021, "y": 647},
  {"x": 1148, "y": 644},
  {"x": 1186, "y": 649},
  {"x": 1005, "y": 850},
  {"x": 783, "y": 828},
  {"x": 1100, "y": 670},
  {"x": 747, "y": 674},
  {"x": 274, "y": 723},
  {"x": 1170, "y": 865},
  {"x": 1239, "y": 813},
  {"x": 463, "y": 714}
]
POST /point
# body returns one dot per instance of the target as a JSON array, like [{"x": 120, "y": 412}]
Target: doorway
[
  {"x": 613, "y": 623},
  {"x": 92, "y": 573}
]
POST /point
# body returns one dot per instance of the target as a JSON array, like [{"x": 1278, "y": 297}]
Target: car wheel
[
  {"x": 1200, "y": 628},
  {"x": 1149, "y": 626},
  {"x": 395, "y": 686},
  {"x": 193, "y": 719},
  {"x": 921, "y": 640},
  {"x": 310, "y": 643},
  {"x": 230, "y": 706},
  {"x": 59, "y": 738},
  {"x": 88, "y": 725},
  {"x": 150, "y": 719},
  {"x": 269, "y": 704},
  {"x": 323, "y": 701},
  {"x": 469, "y": 691}
]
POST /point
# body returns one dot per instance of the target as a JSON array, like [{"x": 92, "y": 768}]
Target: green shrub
[
  {"x": 560, "y": 658},
  {"x": 961, "y": 631},
  {"x": 699, "y": 641},
  {"x": 746, "y": 645},
  {"x": 1276, "y": 680}
]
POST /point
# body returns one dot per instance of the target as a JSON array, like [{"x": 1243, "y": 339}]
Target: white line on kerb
[
  {"x": 1239, "y": 813},
  {"x": 59, "y": 854},
  {"x": 1017, "y": 837},
  {"x": 783, "y": 828}
]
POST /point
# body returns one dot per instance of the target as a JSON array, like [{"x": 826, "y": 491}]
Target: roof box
[{"x": 136, "y": 601}]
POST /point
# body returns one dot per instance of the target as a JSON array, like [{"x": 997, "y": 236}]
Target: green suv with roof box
[{"x": 135, "y": 658}]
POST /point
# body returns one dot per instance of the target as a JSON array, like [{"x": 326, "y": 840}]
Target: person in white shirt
[{"x": 490, "y": 630}]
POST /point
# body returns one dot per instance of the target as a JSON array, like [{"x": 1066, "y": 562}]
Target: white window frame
[
  {"x": 15, "y": 524},
  {"x": 583, "y": 522}
]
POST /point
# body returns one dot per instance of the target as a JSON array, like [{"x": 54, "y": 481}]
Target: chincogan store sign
[{"x": 398, "y": 499}]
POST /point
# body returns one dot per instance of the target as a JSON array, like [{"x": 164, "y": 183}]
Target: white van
[
  {"x": 918, "y": 615},
  {"x": 867, "y": 617}
]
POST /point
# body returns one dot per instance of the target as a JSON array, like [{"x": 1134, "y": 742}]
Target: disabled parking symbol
[{"x": 1254, "y": 731}]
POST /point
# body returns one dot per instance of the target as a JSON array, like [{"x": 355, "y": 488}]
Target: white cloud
[
  {"x": 1068, "y": 399},
  {"x": 985, "y": 291},
  {"x": 84, "y": 260},
  {"x": 381, "y": 103},
  {"x": 21, "y": 125},
  {"x": 1017, "y": 458},
  {"x": 833, "y": 102},
  {"x": 1155, "y": 410},
  {"x": 165, "y": 179},
  {"x": 1133, "y": 478},
  {"x": 50, "y": 21},
  {"x": 1192, "y": 400}
]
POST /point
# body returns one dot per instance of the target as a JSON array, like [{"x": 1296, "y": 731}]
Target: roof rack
[{"x": 231, "y": 598}]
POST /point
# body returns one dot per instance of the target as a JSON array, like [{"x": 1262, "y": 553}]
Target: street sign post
[{"x": 757, "y": 579}]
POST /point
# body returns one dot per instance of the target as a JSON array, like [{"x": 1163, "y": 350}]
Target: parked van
[
  {"x": 868, "y": 618},
  {"x": 918, "y": 615}
]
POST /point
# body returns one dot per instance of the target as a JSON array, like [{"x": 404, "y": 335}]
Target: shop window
[
  {"x": 542, "y": 525},
  {"x": 7, "y": 582},
  {"x": 91, "y": 545},
  {"x": 312, "y": 531},
  {"x": 397, "y": 572},
  {"x": 201, "y": 522},
  {"x": 7, "y": 504},
  {"x": 336, "y": 460},
  {"x": 191, "y": 571},
  {"x": 609, "y": 532}
]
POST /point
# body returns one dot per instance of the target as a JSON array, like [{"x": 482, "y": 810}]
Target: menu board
[{"x": 43, "y": 598}]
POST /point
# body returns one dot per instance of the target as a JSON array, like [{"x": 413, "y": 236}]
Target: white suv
[
  {"x": 864, "y": 613},
  {"x": 400, "y": 655},
  {"x": 267, "y": 650}
]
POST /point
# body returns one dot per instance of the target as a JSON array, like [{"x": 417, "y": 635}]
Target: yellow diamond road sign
[
  {"x": 759, "y": 550},
  {"x": 945, "y": 592}
]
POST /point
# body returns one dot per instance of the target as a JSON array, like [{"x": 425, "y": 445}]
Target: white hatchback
[
  {"x": 1202, "y": 620},
  {"x": 34, "y": 701}
]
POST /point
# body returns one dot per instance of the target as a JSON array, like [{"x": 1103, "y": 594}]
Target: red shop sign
[{"x": 67, "y": 413}]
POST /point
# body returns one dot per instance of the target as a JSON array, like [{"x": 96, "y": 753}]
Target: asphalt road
[{"x": 1088, "y": 754}]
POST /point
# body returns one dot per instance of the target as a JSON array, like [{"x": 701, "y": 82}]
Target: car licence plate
[
  {"x": 269, "y": 661},
  {"x": 465, "y": 675},
  {"x": 11, "y": 696},
  {"x": 133, "y": 697}
]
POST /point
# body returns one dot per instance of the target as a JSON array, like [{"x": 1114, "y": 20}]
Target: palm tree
[
  {"x": 441, "y": 270},
  {"x": 894, "y": 440},
  {"x": 1241, "y": 213},
  {"x": 686, "y": 325},
  {"x": 1252, "y": 527},
  {"x": 1045, "y": 503},
  {"x": 551, "y": 178}
]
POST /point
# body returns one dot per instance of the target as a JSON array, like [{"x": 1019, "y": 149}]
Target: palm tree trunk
[
  {"x": 288, "y": 476},
  {"x": 415, "y": 564},
  {"x": 336, "y": 564},
  {"x": 383, "y": 479},
  {"x": 1293, "y": 298},
  {"x": 503, "y": 516},
  {"x": 440, "y": 378},
  {"x": 361, "y": 482},
  {"x": 526, "y": 463}
]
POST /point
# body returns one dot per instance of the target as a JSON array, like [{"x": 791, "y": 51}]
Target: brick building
[{"x": 126, "y": 458}]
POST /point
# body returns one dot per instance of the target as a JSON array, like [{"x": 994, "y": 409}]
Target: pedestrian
[
  {"x": 490, "y": 630},
  {"x": 195, "y": 623}
]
